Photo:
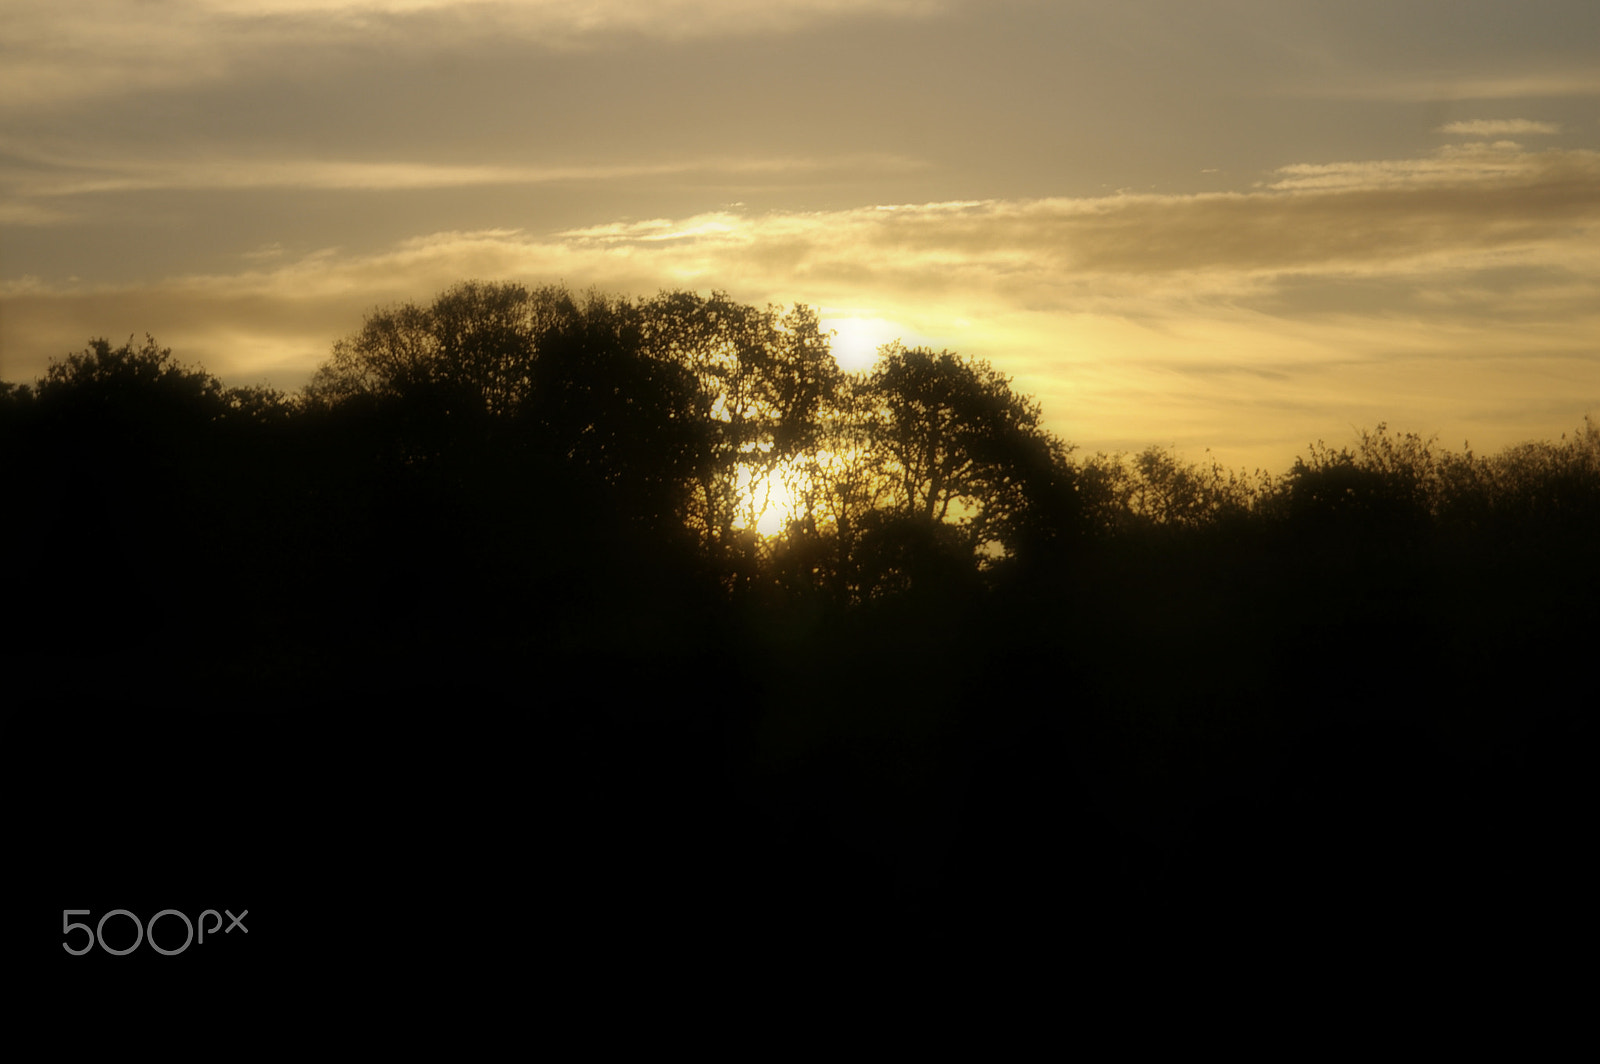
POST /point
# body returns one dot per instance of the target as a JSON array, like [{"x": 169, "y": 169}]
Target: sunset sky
[{"x": 1235, "y": 224}]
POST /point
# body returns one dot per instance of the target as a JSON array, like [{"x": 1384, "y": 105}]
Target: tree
[
  {"x": 762, "y": 379},
  {"x": 136, "y": 481},
  {"x": 14, "y": 398},
  {"x": 16, "y": 414},
  {"x": 1157, "y": 489},
  {"x": 617, "y": 420},
  {"x": 131, "y": 384},
  {"x": 837, "y": 487},
  {"x": 1530, "y": 488},
  {"x": 537, "y": 411},
  {"x": 130, "y": 416},
  {"x": 1383, "y": 491},
  {"x": 473, "y": 349},
  {"x": 959, "y": 446}
]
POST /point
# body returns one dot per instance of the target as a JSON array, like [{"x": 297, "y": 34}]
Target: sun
[
  {"x": 776, "y": 518},
  {"x": 857, "y": 339},
  {"x": 771, "y": 503}
]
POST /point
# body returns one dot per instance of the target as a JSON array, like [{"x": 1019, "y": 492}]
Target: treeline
[
  {"x": 511, "y": 475},
  {"x": 525, "y": 537},
  {"x": 543, "y": 421},
  {"x": 531, "y": 468}
]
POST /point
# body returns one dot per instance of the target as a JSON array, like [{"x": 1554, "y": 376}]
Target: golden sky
[{"x": 1235, "y": 224}]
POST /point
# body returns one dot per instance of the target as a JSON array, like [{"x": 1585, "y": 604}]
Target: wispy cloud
[
  {"x": 56, "y": 177},
  {"x": 660, "y": 17},
  {"x": 1408, "y": 88},
  {"x": 1478, "y": 165},
  {"x": 18, "y": 212},
  {"x": 63, "y": 50},
  {"x": 1436, "y": 293},
  {"x": 1501, "y": 127}
]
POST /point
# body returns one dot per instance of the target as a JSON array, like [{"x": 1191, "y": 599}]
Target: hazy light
[
  {"x": 856, "y": 339},
  {"x": 774, "y": 520}
]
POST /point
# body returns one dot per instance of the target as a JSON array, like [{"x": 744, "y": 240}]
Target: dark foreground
[{"x": 1185, "y": 766}]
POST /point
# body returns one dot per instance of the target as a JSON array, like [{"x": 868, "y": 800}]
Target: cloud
[
  {"x": 1450, "y": 293},
  {"x": 1542, "y": 84},
  {"x": 17, "y": 212},
  {"x": 1478, "y": 165},
  {"x": 1501, "y": 127},
  {"x": 669, "y": 18},
  {"x": 61, "y": 176},
  {"x": 67, "y": 50},
  {"x": 1460, "y": 208}
]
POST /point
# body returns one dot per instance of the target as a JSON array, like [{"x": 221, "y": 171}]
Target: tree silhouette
[
  {"x": 141, "y": 390},
  {"x": 960, "y": 446},
  {"x": 121, "y": 443},
  {"x": 543, "y": 503},
  {"x": 763, "y": 377},
  {"x": 491, "y": 375},
  {"x": 475, "y": 343},
  {"x": 838, "y": 485},
  {"x": 1382, "y": 493},
  {"x": 1531, "y": 489}
]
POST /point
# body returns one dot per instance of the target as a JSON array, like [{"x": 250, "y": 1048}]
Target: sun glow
[
  {"x": 776, "y": 517},
  {"x": 856, "y": 339},
  {"x": 774, "y": 498}
]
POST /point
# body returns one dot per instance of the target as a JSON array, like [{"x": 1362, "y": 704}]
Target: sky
[{"x": 1240, "y": 225}]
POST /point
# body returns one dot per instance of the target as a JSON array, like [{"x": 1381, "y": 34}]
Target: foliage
[
  {"x": 14, "y": 397},
  {"x": 762, "y": 380},
  {"x": 145, "y": 392},
  {"x": 16, "y": 409},
  {"x": 1158, "y": 490},
  {"x": 529, "y": 428},
  {"x": 547, "y": 387},
  {"x": 958, "y": 445},
  {"x": 127, "y": 384},
  {"x": 1549, "y": 486},
  {"x": 1384, "y": 488}
]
